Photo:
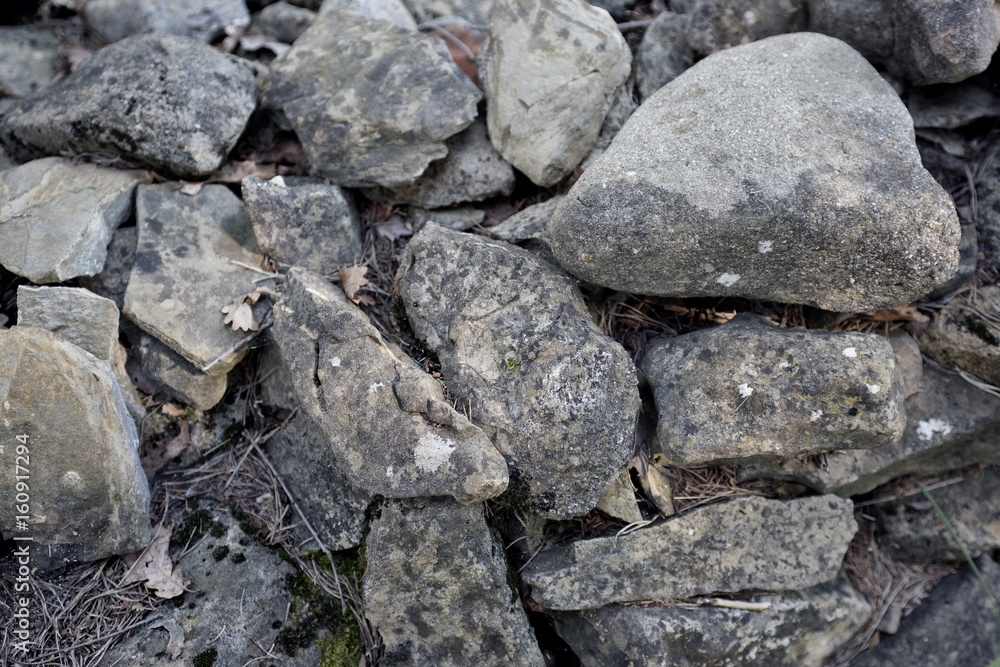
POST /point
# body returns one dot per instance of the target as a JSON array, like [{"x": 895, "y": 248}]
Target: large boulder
[
  {"x": 372, "y": 103},
  {"x": 784, "y": 170},
  {"x": 57, "y": 218},
  {"x": 203, "y": 20},
  {"x": 518, "y": 346},
  {"x": 437, "y": 588},
  {"x": 386, "y": 422},
  {"x": 749, "y": 389},
  {"x": 65, "y": 428},
  {"x": 747, "y": 543},
  {"x": 171, "y": 102},
  {"x": 551, "y": 70}
]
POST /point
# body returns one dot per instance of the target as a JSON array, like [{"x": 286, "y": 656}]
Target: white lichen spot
[
  {"x": 631, "y": 173},
  {"x": 279, "y": 181},
  {"x": 728, "y": 279},
  {"x": 6, "y": 405},
  {"x": 784, "y": 364},
  {"x": 315, "y": 293},
  {"x": 764, "y": 247},
  {"x": 388, "y": 471},
  {"x": 851, "y": 352},
  {"x": 375, "y": 387},
  {"x": 815, "y": 415},
  {"x": 873, "y": 388},
  {"x": 432, "y": 452},
  {"x": 745, "y": 390},
  {"x": 749, "y": 17},
  {"x": 927, "y": 429},
  {"x": 335, "y": 362},
  {"x": 690, "y": 531},
  {"x": 708, "y": 268}
]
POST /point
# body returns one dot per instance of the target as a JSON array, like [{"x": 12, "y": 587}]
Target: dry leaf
[
  {"x": 175, "y": 643},
  {"x": 255, "y": 42},
  {"x": 191, "y": 189},
  {"x": 236, "y": 171},
  {"x": 905, "y": 313},
  {"x": 157, "y": 457},
  {"x": 240, "y": 315},
  {"x": 352, "y": 278},
  {"x": 172, "y": 410},
  {"x": 393, "y": 228},
  {"x": 156, "y": 569}
]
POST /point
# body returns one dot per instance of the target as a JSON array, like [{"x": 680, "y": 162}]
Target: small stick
[{"x": 449, "y": 38}]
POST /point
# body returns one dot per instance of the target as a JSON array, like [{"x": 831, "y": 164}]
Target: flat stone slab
[
  {"x": 177, "y": 376},
  {"x": 796, "y": 629},
  {"x": 57, "y": 218},
  {"x": 76, "y": 315},
  {"x": 29, "y": 58},
  {"x": 86, "y": 495},
  {"x": 960, "y": 336},
  {"x": 782, "y": 170},
  {"x": 184, "y": 272},
  {"x": 749, "y": 388},
  {"x": 518, "y": 346},
  {"x": 747, "y": 543},
  {"x": 171, "y": 102},
  {"x": 437, "y": 589},
  {"x": 385, "y": 420},
  {"x": 204, "y": 20},
  {"x": 372, "y": 103}
]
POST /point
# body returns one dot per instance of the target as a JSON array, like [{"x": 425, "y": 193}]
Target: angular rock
[
  {"x": 331, "y": 501},
  {"x": 6, "y": 161},
  {"x": 550, "y": 70},
  {"x": 285, "y": 22},
  {"x": 721, "y": 24},
  {"x": 56, "y": 219},
  {"x": 866, "y": 25},
  {"x": 460, "y": 218},
  {"x": 913, "y": 533},
  {"x": 393, "y": 11},
  {"x": 385, "y": 419},
  {"x": 988, "y": 220},
  {"x": 949, "y": 425},
  {"x": 29, "y": 59},
  {"x": 184, "y": 272},
  {"x": 472, "y": 171},
  {"x": 437, "y": 589},
  {"x": 663, "y": 53},
  {"x": 746, "y": 543},
  {"x": 960, "y": 336},
  {"x": 950, "y": 107},
  {"x": 112, "y": 280},
  {"x": 204, "y": 20},
  {"x": 76, "y": 315},
  {"x": 517, "y": 345},
  {"x": 618, "y": 500},
  {"x": 530, "y": 228},
  {"x": 177, "y": 377},
  {"x": 303, "y": 222},
  {"x": 749, "y": 388},
  {"x": 171, "y": 102},
  {"x": 372, "y": 103},
  {"x": 909, "y": 361},
  {"x": 800, "y": 629},
  {"x": 784, "y": 170},
  {"x": 87, "y": 496},
  {"x": 955, "y": 625}
]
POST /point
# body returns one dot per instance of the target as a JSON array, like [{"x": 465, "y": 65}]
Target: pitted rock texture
[
  {"x": 663, "y": 54},
  {"x": 949, "y": 425},
  {"x": 29, "y": 59},
  {"x": 88, "y": 497},
  {"x": 385, "y": 419},
  {"x": 56, "y": 218},
  {"x": 960, "y": 336},
  {"x": 518, "y": 346},
  {"x": 747, "y": 543},
  {"x": 184, "y": 272},
  {"x": 472, "y": 171},
  {"x": 171, "y": 102},
  {"x": 721, "y": 24},
  {"x": 303, "y": 222},
  {"x": 796, "y": 629},
  {"x": 749, "y": 388},
  {"x": 550, "y": 70},
  {"x": 437, "y": 589},
  {"x": 372, "y": 103},
  {"x": 204, "y": 20},
  {"x": 783, "y": 170}
]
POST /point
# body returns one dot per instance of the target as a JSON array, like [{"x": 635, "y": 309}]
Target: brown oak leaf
[
  {"x": 239, "y": 314},
  {"x": 352, "y": 278},
  {"x": 156, "y": 569}
]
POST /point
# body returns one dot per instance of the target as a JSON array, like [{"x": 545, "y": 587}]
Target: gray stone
[
  {"x": 372, "y": 103},
  {"x": 393, "y": 11},
  {"x": 87, "y": 495},
  {"x": 864, "y": 24},
  {"x": 530, "y": 227},
  {"x": 283, "y": 21},
  {"x": 437, "y": 589},
  {"x": 112, "y": 280},
  {"x": 550, "y": 70},
  {"x": 750, "y": 389},
  {"x": 385, "y": 419},
  {"x": 909, "y": 361},
  {"x": 747, "y": 543},
  {"x": 944, "y": 41},
  {"x": 953, "y": 106},
  {"x": 56, "y": 219},
  {"x": 184, "y": 272},
  {"x": 988, "y": 221},
  {"x": 617, "y": 8},
  {"x": 911, "y": 532},
  {"x": 796, "y": 629},
  {"x": 177, "y": 377},
  {"x": 618, "y": 500},
  {"x": 303, "y": 222},
  {"x": 476, "y": 12},
  {"x": 460, "y": 218},
  {"x": 171, "y": 102},
  {"x": 960, "y": 336},
  {"x": 968, "y": 261},
  {"x": 76, "y": 315},
  {"x": 663, "y": 54},
  {"x": 950, "y": 424},
  {"x": 721, "y": 24},
  {"x": 239, "y": 603},
  {"x": 29, "y": 59},
  {"x": 472, "y": 171},
  {"x": 517, "y": 345},
  {"x": 6, "y": 161},
  {"x": 955, "y": 625},
  {"x": 331, "y": 501},
  {"x": 204, "y": 20},
  {"x": 782, "y": 170}
]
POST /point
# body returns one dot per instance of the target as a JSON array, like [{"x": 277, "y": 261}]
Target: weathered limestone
[
  {"x": 204, "y": 20},
  {"x": 961, "y": 337}
]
